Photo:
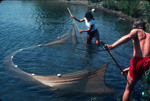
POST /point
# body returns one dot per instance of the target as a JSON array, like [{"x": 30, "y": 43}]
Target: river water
[{"x": 26, "y": 23}]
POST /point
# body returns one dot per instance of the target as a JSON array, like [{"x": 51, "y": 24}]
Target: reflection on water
[
  {"x": 27, "y": 23},
  {"x": 50, "y": 15}
]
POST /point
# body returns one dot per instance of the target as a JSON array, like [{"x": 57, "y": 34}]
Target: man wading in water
[
  {"x": 92, "y": 30},
  {"x": 141, "y": 55}
]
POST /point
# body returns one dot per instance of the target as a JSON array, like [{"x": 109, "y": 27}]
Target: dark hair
[
  {"x": 89, "y": 15},
  {"x": 140, "y": 24}
]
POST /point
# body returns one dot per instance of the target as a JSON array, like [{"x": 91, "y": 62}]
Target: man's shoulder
[
  {"x": 134, "y": 30},
  {"x": 133, "y": 33}
]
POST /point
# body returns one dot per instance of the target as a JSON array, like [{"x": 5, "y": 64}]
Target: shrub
[
  {"x": 146, "y": 93},
  {"x": 147, "y": 13},
  {"x": 129, "y": 7}
]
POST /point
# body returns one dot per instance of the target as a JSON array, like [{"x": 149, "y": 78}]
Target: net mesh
[{"x": 86, "y": 81}]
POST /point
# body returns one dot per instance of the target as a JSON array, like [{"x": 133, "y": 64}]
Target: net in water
[{"x": 85, "y": 81}]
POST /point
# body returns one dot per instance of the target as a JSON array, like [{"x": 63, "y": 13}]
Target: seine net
[{"x": 85, "y": 81}]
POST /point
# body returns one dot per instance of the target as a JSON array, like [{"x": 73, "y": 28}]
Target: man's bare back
[
  {"x": 138, "y": 64},
  {"x": 141, "y": 43}
]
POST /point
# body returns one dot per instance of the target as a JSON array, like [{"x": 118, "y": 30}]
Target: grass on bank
[{"x": 133, "y": 8}]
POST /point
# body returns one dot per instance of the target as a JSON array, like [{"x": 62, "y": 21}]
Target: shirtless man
[{"x": 141, "y": 55}]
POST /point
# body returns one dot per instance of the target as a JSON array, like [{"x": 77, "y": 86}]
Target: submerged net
[{"x": 86, "y": 81}]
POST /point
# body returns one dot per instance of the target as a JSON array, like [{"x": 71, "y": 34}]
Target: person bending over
[
  {"x": 141, "y": 55},
  {"x": 92, "y": 30}
]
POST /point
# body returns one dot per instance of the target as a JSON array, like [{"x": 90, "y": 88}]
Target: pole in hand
[
  {"x": 113, "y": 58},
  {"x": 76, "y": 25}
]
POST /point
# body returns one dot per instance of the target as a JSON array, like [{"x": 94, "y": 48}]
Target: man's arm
[
  {"x": 88, "y": 30},
  {"x": 79, "y": 20},
  {"x": 123, "y": 39}
]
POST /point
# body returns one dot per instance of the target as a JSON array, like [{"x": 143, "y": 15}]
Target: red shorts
[{"x": 138, "y": 66}]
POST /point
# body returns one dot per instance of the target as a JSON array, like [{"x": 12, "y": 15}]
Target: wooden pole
[
  {"x": 76, "y": 25},
  {"x": 117, "y": 64},
  {"x": 113, "y": 59}
]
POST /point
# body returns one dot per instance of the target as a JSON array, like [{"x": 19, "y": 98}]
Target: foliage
[
  {"x": 129, "y": 7},
  {"x": 110, "y": 4},
  {"x": 146, "y": 93},
  {"x": 147, "y": 13},
  {"x": 93, "y": 1},
  {"x": 133, "y": 8}
]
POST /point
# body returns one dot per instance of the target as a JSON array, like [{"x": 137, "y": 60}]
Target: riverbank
[{"x": 99, "y": 6}]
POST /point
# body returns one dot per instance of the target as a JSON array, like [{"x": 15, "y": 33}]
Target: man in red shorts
[{"x": 141, "y": 55}]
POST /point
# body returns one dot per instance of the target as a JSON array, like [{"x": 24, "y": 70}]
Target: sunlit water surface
[{"x": 26, "y": 23}]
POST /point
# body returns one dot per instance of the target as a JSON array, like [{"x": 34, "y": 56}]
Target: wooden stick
[
  {"x": 113, "y": 59},
  {"x": 76, "y": 25},
  {"x": 117, "y": 65}
]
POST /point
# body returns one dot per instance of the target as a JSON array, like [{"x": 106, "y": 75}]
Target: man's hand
[
  {"x": 80, "y": 31},
  {"x": 108, "y": 47},
  {"x": 72, "y": 16},
  {"x": 125, "y": 71}
]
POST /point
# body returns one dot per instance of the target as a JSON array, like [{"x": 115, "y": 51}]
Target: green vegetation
[
  {"x": 146, "y": 9},
  {"x": 146, "y": 86},
  {"x": 133, "y": 8},
  {"x": 129, "y": 7}
]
